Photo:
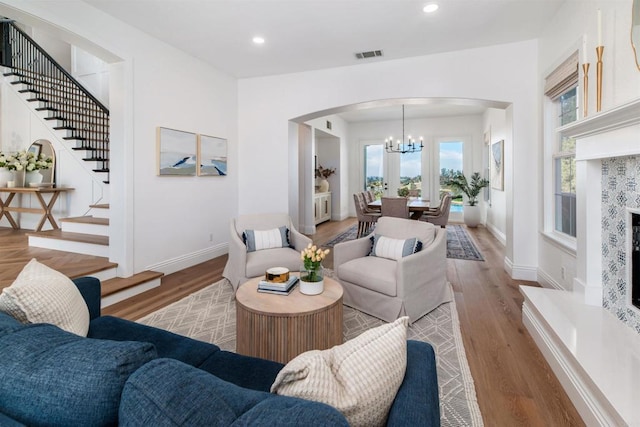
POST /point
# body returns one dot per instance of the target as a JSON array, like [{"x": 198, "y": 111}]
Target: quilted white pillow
[
  {"x": 360, "y": 378},
  {"x": 43, "y": 295}
]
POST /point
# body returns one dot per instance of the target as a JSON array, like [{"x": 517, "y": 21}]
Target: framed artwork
[
  {"x": 212, "y": 156},
  {"x": 36, "y": 149},
  {"x": 177, "y": 152},
  {"x": 497, "y": 165}
]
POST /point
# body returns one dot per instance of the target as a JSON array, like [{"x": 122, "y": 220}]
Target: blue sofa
[{"x": 135, "y": 375}]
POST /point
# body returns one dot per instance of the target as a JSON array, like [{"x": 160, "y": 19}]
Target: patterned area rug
[
  {"x": 459, "y": 243},
  {"x": 210, "y": 315}
]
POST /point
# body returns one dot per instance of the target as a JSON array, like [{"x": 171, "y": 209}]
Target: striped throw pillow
[
  {"x": 386, "y": 247},
  {"x": 257, "y": 240}
]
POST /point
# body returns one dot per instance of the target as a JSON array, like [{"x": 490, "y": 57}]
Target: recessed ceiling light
[
  {"x": 258, "y": 40},
  {"x": 430, "y": 8}
]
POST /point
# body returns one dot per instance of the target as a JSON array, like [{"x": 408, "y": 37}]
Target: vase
[
  {"x": 472, "y": 215},
  {"x": 5, "y": 176},
  {"x": 311, "y": 280},
  {"x": 324, "y": 186},
  {"x": 17, "y": 178},
  {"x": 33, "y": 177}
]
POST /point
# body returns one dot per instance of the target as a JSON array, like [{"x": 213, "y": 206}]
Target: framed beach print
[
  {"x": 497, "y": 165},
  {"x": 177, "y": 152},
  {"x": 212, "y": 156}
]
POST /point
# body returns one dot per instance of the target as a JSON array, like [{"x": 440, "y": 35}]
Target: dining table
[{"x": 416, "y": 206}]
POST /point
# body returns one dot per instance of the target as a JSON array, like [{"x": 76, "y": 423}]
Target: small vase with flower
[{"x": 311, "y": 271}]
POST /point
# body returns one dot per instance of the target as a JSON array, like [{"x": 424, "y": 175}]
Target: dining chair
[
  {"x": 366, "y": 218},
  {"x": 395, "y": 206},
  {"x": 441, "y": 215}
]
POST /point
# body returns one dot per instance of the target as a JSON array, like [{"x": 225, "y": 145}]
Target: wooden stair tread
[
  {"x": 86, "y": 220},
  {"x": 73, "y": 237},
  {"x": 117, "y": 284},
  {"x": 100, "y": 206}
]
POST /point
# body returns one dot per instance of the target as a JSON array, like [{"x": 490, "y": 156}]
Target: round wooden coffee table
[{"x": 279, "y": 327}]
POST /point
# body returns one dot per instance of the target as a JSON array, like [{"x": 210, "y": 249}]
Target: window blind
[{"x": 562, "y": 78}]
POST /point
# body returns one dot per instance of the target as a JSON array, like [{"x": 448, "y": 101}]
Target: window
[{"x": 561, "y": 87}]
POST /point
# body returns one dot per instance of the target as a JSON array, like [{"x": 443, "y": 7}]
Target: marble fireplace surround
[{"x": 594, "y": 350}]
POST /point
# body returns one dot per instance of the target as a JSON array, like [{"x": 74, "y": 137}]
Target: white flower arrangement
[{"x": 25, "y": 160}]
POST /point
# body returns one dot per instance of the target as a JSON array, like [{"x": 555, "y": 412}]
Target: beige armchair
[
  {"x": 411, "y": 286},
  {"x": 243, "y": 265}
]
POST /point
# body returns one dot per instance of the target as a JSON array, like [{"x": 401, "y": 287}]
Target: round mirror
[
  {"x": 44, "y": 147},
  {"x": 635, "y": 31}
]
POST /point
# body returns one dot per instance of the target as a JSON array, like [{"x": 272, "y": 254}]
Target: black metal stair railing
[{"x": 44, "y": 81}]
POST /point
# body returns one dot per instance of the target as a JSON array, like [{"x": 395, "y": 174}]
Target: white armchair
[
  {"x": 243, "y": 265},
  {"x": 386, "y": 288}
]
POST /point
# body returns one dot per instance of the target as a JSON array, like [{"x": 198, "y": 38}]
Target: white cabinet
[{"x": 321, "y": 207}]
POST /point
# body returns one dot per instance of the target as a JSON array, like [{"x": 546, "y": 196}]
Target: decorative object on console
[
  {"x": 599, "y": 53},
  {"x": 403, "y": 146},
  {"x": 323, "y": 174},
  {"x": 212, "y": 156},
  {"x": 311, "y": 272}
]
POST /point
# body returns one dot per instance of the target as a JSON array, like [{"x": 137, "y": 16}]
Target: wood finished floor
[{"x": 514, "y": 384}]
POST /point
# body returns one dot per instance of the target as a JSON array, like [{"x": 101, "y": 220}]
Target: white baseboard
[
  {"x": 520, "y": 272},
  {"x": 189, "y": 260},
  {"x": 549, "y": 282},
  {"x": 499, "y": 235}
]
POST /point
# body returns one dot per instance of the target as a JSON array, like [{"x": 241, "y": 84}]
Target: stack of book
[{"x": 283, "y": 288}]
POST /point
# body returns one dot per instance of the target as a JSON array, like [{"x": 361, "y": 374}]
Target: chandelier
[{"x": 402, "y": 146}]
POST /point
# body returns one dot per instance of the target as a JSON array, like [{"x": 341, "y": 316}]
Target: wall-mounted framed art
[
  {"x": 487, "y": 159},
  {"x": 497, "y": 165},
  {"x": 177, "y": 152},
  {"x": 212, "y": 155}
]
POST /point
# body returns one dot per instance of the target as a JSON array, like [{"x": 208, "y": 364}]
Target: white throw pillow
[
  {"x": 360, "y": 378},
  {"x": 395, "y": 249},
  {"x": 43, "y": 295}
]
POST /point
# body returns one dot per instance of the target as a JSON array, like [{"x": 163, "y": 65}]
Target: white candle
[
  {"x": 584, "y": 49},
  {"x": 599, "y": 27}
]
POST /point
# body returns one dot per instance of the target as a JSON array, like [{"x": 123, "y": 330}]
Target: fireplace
[{"x": 635, "y": 259}]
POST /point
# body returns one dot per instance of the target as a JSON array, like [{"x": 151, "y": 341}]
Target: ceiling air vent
[{"x": 369, "y": 54}]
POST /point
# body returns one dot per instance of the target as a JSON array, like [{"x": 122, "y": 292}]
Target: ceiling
[{"x": 304, "y": 35}]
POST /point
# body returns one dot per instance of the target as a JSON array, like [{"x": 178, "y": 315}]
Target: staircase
[{"x": 82, "y": 122}]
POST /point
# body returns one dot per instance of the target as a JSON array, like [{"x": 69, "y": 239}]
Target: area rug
[
  {"x": 209, "y": 315},
  {"x": 459, "y": 243}
]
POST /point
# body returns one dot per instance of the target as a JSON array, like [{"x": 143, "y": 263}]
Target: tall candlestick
[
  {"x": 599, "y": 52},
  {"x": 585, "y": 87},
  {"x": 599, "y": 27}
]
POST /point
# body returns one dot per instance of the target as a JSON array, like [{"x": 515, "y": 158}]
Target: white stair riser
[
  {"x": 84, "y": 228},
  {"x": 69, "y": 246},
  {"x": 129, "y": 292},
  {"x": 103, "y": 275},
  {"x": 99, "y": 213}
]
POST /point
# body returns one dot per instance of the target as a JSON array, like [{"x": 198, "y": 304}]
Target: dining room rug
[
  {"x": 459, "y": 243},
  {"x": 210, "y": 315}
]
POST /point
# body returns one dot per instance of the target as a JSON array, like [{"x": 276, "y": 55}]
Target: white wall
[
  {"x": 267, "y": 104},
  {"x": 162, "y": 223},
  {"x": 621, "y": 83},
  {"x": 496, "y": 221}
]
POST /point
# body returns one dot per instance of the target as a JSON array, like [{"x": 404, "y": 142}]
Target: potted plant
[
  {"x": 471, "y": 189},
  {"x": 311, "y": 271},
  {"x": 323, "y": 174}
]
